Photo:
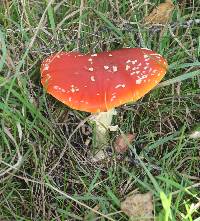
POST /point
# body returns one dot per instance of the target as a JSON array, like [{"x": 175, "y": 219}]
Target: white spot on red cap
[
  {"x": 93, "y": 55},
  {"x": 120, "y": 85},
  {"x": 127, "y": 67},
  {"x": 114, "y": 68},
  {"x": 46, "y": 67},
  {"x": 113, "y": 97},
  {"x": 59, "y": 89},
  {"x": 135, "y": 68},
  {"x": 134, "y": 61},
  {"x": 110, "y": 55},
  {"x": 146, "y": 49},
  {"x": 155, "y": 54},
  {"x": 138, "y": 81},
  {"x": 90, "y": 69},
  {"x": 74, "y": 89},
  {"x": 92, "y": 78},
  {"x": 106, "y": 67}
]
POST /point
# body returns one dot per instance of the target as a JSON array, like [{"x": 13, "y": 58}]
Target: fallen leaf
[
  {"x": 139, "y": 206},
  {"x": 99, "y": 156},
  {"x": 160, "y": 15},
  {"x": 121, "y": 145}
]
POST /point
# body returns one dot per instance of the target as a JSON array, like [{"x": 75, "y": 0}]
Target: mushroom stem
[{"x": 102, "y": 122}]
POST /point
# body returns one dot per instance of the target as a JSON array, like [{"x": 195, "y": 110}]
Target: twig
[{"x": 80, "y": 25}]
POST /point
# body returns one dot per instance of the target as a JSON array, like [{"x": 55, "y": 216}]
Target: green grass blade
[
  {"x": 179, "y": 78},
  {"x": 166, "y": 203},
  {"x": 174, "y": 66},
  {"x": 4, "y": 50},
  {"x": 50, "y": 12},
  {"x": 109, "y": 23}
]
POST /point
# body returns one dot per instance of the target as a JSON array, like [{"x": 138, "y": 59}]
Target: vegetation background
[{"x": 45, "y": 169}]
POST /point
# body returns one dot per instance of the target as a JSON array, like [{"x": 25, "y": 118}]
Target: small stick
[{"x": 80, "y": 24}]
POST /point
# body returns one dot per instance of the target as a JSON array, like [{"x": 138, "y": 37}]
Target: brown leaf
[
  {"x": 120, "y": 144},
  {"x": 139, "y": 205},
  {"x": 99, "y": 156},
  {"x": 161, "y": 14}
]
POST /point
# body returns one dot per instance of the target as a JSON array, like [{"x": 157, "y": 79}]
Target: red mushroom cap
[{"x": 99, "y": 82}]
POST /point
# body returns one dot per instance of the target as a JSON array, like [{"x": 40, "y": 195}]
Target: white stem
[{"x": 103, "y": 122}]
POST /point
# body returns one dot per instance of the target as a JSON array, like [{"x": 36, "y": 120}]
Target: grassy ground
[{"x": 36, "y": 183}]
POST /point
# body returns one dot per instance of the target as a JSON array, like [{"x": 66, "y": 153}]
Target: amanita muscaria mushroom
[{"x": 98, "y": 83}]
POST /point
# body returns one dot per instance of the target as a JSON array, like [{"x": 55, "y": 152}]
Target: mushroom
[{"x": 97, "y": 83}]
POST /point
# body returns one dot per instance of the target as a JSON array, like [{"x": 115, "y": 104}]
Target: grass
[{"x": 36, "y": 183}]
